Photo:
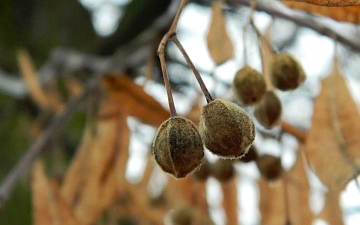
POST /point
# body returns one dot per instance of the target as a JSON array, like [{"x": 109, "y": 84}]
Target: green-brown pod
[
  {"x": 226, "y": 129},
  {"x": 286, "y": 72},
  {"x": 203, "y": 172},
  {"x": 269, "y": 166},
  {"x": 268, "y": 110},
  {"x": 223, "y": 170},
  {"x": 183, "y": 215},
  {"x": 248, "y": 86},
  {"x": 250, "y": 156},
  {"x": 177, "y": 147}
]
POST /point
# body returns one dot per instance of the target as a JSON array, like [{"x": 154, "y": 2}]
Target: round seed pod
[
  {"x": 268, "y": 110},
  {"x": 248, "y": 86},
  {"x": 177, "y": 147},
  {"x": 226, "y": 129},
  {"x": 269, "y": 166},
  {"x": 203, "y": 172},
  {"x": 223, "y": 170},
  {"x": 182, "y": 216},
  {"x": 250, "y": 156},
  {"x": 286, "y": 72}
]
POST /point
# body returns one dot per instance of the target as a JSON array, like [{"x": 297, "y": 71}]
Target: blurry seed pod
[
  {"x": 226, "y": 129},
  {"x": 203, "y": 172},
  {"x": 286, "y": 72},
  {"x": 177, "y": 147},
  {"x": 269, "y": 166},
  {"x": 183, "y": 215},
  {"x": 250, "y": 156},
  {"x": 268, "y": 110},
  {"x": 223, "y": 170},
  {"x": 248, "y": 86}
]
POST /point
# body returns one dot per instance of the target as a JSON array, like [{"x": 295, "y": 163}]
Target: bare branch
[{"x": 58, "y": 122}]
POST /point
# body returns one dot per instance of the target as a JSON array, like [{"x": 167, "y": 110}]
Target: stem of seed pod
[
  {"x": 207, "y": 94},
  {"x": 167, "y": 84},
  {"x": 161, "y": 54},
  {"x": 260, "y": 36}
]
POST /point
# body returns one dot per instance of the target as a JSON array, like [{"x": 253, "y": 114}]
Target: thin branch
[
  {"x": 8, "y": 183},
  {"x": 301, "y": 136},
  {"x": 208, "y": 97},
  {"x": 161, "y": 54},
  {"x": 277, "y": 9}
]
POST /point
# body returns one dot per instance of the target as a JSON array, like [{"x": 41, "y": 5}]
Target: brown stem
[
  {"x": 167, "y": 84},
  {"x": 161, "y": 54},
  {"x": 301, "y": 136},
  {"x": 208, "y": 97}
]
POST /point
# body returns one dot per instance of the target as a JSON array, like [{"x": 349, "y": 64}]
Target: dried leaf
[
  {"x": 49, "y": 206},
  {"x": 218, "y": 41},
  {"x": 331, "y": 3},
  {"x": 271, "y": 206},
  {"x": 299, "y": 191},
  {"x": 230, "y": 197},
  {"x": 37, "y": 93},
  {"x": 44, "y": 205},
  {"x": 129, "y": 98},
  {"x": 332, "y": 211},
  {"x": 350, "y": 14},
  {"x": 272, "y": 197},
  {"x": 332, "y": 146}
]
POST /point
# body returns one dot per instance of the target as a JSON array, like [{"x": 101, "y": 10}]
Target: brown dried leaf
[
  {"x": 48, "y": 205},
  {"x": 37, "y": 93},
  {"x": 331, "y": 3},
  {"x": 332, "y": 212},
  {"x": 299, "y": 191},
  {"x": 97, "y": 190},
  {"x": 230, "y": 204},
  {"x": 332, "y": 145},
  {"x": 272, "y": 197},
  {"x": 127, "y": 97},
  {"x": 350, "y": 14},
  {"x": 218, "y": 41}
]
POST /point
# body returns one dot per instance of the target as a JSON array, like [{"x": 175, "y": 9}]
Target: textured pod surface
[
  {"x": 268, "y": 110},
  {"x": 248, "y": 86},
  {"x": 286, "y": 72},
  {"x": 269, "y": 166},
  {"x": 177, "y": 147},
  {"x": 226, "y": 129},
  {"x": 223, "y": 170}
]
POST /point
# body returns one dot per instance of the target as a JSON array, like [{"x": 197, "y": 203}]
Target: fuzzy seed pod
[
  {"x": 268, "y": 110},
  {"x": 177, "y": 147},
  {"x": 203, "y": 172},
  {"x": 269, "y": 166},
  {"x": 226, "y": 129},
  {"x": 286, "y": 72},
  {"x": 248, "y": 86},
  {"x": 223, "y": 170},
  {"x": 250, "y": 156}
]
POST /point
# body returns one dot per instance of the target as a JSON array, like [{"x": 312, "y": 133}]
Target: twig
[
  {"x": 8, "y": 183},
  {"x": 161, "y": 54},
  {"x": 208, "y": 97},
  {"x": 301, "y": 136},
  {"x": 278, "y": 9}
]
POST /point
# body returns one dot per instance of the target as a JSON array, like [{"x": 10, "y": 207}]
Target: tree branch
[
  {"x": 316, "y": 23},
  {"x": 58, "y": 122}
]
